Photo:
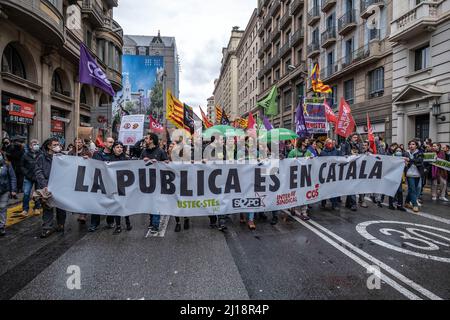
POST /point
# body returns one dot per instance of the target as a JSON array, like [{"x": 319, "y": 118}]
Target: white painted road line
[
  {"x": 404, "y": 291},
  {"x": 420, "y": 214},
  {"x": 377, "y": 262}
]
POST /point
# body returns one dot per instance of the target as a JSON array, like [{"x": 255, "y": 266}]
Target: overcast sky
[{"x": 201, "y": 29}]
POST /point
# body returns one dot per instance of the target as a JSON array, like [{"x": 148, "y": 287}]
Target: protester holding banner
[
  {"x": 330, "y": 151},
  {"x": 118, "y": 154},
  {"x": 104, "y": 155},
  {"x": 43, "y": 167},
  {"x": 439, "y": 176},
  {"x": 349, "y": 148},
  {"x": 414, "y": 172},
  {"x": 152, "y": 152},
  {"x": 396, "y": 202},
  {"x": 80, "y": 150}
]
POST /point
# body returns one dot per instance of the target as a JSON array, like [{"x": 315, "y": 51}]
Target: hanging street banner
[
  {"x": 131, "y": 129},
  {"x": 315, "y": 115},
  {"x": 183, "y": 189}
]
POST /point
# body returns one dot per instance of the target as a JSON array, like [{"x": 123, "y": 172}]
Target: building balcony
[
  {"x": 115, "y": 77},
  {"x": 274, "y": 8},
  {"x": 313, "y": 16},
  {"x": 327, "y": 5},
  {"x": 265, "y": 3},
  {"x": 41, "y": 19},
  {"x": 313, "y": 50},
  {"x": 421, "y": 19},
  {"x": 295, "y": 6},
  {"x": 367, "y": 7},
  {"x": 92, "y": 11},
  {"x": 347, "y": 22},
  {"x": 328, "y": 71},
  {"x": 328, "y": 37},
  {"x": 285, "y": 48},
  {"x": 266, "y": 22},
  {"x": 285, "y": 20},
  {"x": 356, "y": 60},
  {"x": 297, "y": 37},
  {"x": 111, "y": 30}
]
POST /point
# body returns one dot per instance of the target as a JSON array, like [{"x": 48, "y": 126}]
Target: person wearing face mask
[
  {"x": 119, "y": 155},
  {"x": 438, "y": 176},
  {"x": 414, "y": 172},
  {"x": 105, "y": 155},
  {"x": 50, "y": 148},
  {"x": 8, "y": 188},
  {"x": 28, "y": 165},
  {"x": 330, "y": 151},
  {"x": 396, "y": 202}
]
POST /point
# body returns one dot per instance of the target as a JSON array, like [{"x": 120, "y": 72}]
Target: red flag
[
  {"x": 371, "y": 136},
  {"x": 251, "y": 125},
  {"x": 331, "y": 117},
  {"x": 206, "y": 123},
  {"x": 345, "y": 124},
  {"x": 155, "y": 126},
  {"x": 99, "y": 139}
]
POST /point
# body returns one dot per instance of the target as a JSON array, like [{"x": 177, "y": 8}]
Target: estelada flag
[
  {"x": 174, "y": 110},
  {"x": 155, "y": 126},
  {"x": 224, "y": 119},
  {"x": 206, "y": 123},
  {"x": 188, "y": 119},
  {"x": 345, "y": 124},
  {"x": 317, "y": 84},
  {"x": 331, "y": 117},
  {"x": 371, "y": 136}
]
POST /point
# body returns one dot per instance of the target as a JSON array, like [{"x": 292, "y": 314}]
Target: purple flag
[
  {"x": 300, "y": 123},
  {"x": 91, "y": 73},
  {"x": 267, "y": 124}
]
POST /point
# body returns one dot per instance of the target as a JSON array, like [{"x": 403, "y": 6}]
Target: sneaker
[
  {"x": 37, "y": 212},
  {"x": 59, "y": 228},
  {"x": 92, "y": 228},
  {"x": 400, "y": 208},
  {"x": 274, "y": 221},
  {"x": 419, "y": 203},
  {"x": 154, "y": 230},
  {"x": 443, "y": 199},
  {"x": 46, "y": 233},
  {"x": 353, "y": 208},
  {"x": 364, "y": 204},
  {"x": 129, "y": 227},
  {"x": 186, "y": 224},
  {"x": 178, "y": 227},
  {"x": 109, "y": 226},
  {"x": 408, "y": 205},
  {"x": 117, "y": 230},
  {"x": 391, "y": 207},
  {"x": 2, "y": 232},
  {"x": 251, "y": 225},
  {"x": 434, "y": 198},
  {"x": 213, "y": 225},
  {"x": 222, "y": 227},
  {"x": 24, "y": 213},
  {"x": 82, "y": 219},
  {"x": 379, "y": 204},
  {"x": 304, "y": 217},
  {"x": 416, "y": 209}
]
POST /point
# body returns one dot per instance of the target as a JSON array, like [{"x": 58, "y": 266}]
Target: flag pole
[{"x": 77, "y": 108}]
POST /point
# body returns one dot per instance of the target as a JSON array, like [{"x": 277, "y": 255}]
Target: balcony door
[{"x": 348, "y": 51}]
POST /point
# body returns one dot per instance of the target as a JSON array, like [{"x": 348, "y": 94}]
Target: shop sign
[{"x": 57, "y": 126}]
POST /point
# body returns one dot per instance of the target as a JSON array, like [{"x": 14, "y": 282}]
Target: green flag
[{"x": 269, "y": 103}]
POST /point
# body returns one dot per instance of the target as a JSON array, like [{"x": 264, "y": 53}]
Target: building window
[
  {"x": 12, "y": 62},
  {"x": 277, "y": 75},
  {"x": 57, "y": 83},
  {"x": 300, "y": 91},
  {"x": 333, "y": 97},
  {"x": 88, "y": 39},
  {"x": 101, "y": 49},
  {"x": 422, "y": 58},
  {"x": 376, "y": 82},
  {"x": 287, "y": 100},
  {"x": 349, "y": 90},
  {"x": 83, "y": 99},
  {"x": 287, "y": 63}
]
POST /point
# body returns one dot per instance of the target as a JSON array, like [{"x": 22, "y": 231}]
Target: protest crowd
[{"x": 26, "y": 167}]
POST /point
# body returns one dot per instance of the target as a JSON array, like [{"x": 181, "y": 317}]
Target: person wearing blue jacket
[{"x": 8, "y": 188}]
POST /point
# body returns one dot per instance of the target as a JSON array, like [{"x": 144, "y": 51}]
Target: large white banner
[{"x": 185, "y": 189}]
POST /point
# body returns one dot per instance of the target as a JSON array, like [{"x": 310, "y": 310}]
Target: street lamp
[{"x": 436, "y": 111}]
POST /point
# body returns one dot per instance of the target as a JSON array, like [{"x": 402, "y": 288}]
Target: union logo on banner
[{"x": 155, "y": 125}]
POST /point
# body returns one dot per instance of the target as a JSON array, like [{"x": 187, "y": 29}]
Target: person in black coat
[
  {"x": 119, "y": 155},
  {"x": 105, "y": 155},
  {"x": 152, "y": 152},
  {"x": 16, "y": 151},
  {"x": 42, "y": 170},
  {"x": 27, "y": 166},
  {"x": 330, "y": 151}
]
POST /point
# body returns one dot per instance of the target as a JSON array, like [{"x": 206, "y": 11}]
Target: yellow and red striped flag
[
  {"x": 317, "y": 84},
  {"x": 218, "y": 115},
  {"x": 206, "y": 123},
  {"x": 175, "y": 111}
]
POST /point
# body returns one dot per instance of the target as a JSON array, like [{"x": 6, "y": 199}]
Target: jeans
[
  {"x": 27, "y": 187},
  {"x": 413, "y": 190},
  {"x": 251, "y": 216},
  {"x": 48, "y": 218},
  {"x": 4, "y": 199},
  {"x": 154, "y": 220}
]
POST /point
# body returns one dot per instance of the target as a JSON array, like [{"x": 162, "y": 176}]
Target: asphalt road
[{"x": 400, "y": 255}]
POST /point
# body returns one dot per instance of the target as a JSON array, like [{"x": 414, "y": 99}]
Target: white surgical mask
[
  {"x": 57, "y": 149},
  {"x": 36, "y": 147}
]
